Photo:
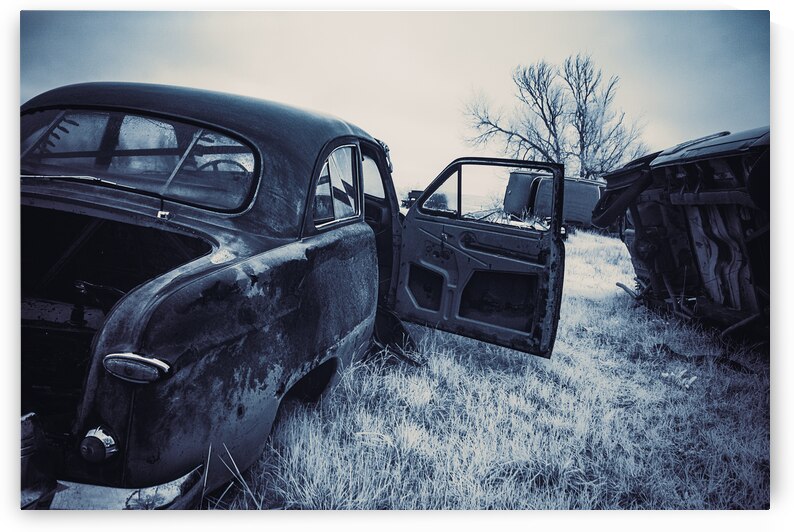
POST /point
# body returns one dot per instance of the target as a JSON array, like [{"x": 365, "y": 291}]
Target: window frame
[
  {"x": 310, "y": 227},
  {"x": 381, "y": 180},
  {"x": 330, "y": 185},
  {"x": 428, "y": 193},
  {"x": 456, "y": 166}
]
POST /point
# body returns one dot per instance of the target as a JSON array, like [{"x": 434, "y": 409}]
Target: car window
[
  {"x": 488, "y": 193},
  {"x": 336, "y": 194},
  {"x": 139, "y": 140},
  {"x": 373, "y": 181},
  {"x": 179, "y": 161},
  {"x": 444, "y": 200},
  {"x": 323, "y": 206},
  {"x": 345, "y": 192}
]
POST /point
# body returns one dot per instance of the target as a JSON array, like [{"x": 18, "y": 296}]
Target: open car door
[{"x": 476, "y": 261}]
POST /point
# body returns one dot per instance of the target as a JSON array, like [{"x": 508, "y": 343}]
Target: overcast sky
[{"x": 406, "y": 77}]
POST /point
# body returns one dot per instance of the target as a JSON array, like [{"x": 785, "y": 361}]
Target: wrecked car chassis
[
  {"x": 191, "y": 260},
  {"x": 695, "y": 219}
]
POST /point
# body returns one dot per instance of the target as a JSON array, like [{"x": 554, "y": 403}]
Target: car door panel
[{"x": 495, "y": 282}]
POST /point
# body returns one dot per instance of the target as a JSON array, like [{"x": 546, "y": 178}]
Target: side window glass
[
  {"x": 336, "y": 195},
  {"x": 445, "y": 198},
  {"x": 345, "y": 192},
  {"x": 373, "y": 181},
  {"x": 495, "y": 194},
  {"x": 483, "y": 192},
  {"x": 138, "y": 135},
  {"x": 323, "y": 206}
]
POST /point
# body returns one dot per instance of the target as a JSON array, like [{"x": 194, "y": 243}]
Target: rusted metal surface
[
  {"x": 236, "y": 327},
  {"x": 224, "y": 313},
  {"x": 242, "y": 336},
  {"x": 696, "y": 222}
]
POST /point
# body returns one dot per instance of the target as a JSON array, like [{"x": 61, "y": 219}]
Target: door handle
[{"x": 444, "y": 238}]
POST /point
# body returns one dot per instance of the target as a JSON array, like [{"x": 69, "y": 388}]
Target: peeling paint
[{"x": 221, "y": 256}]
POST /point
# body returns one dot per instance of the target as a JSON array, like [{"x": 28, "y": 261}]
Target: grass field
[{"x": 618, "y": 418}]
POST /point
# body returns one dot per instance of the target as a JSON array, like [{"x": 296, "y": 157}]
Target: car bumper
[{"x": 64, "y": 495}]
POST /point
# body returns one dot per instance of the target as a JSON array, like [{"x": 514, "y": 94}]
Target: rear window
[{"x": 178, "y": 161}]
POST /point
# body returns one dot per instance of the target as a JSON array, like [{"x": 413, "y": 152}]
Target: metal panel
[{"x": 502, "y": 282}]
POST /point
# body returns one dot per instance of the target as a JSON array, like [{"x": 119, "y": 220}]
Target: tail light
[{"x": 132, "y": 367}]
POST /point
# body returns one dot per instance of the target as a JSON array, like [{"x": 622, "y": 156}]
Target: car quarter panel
[{"x": 238, "y": 338}]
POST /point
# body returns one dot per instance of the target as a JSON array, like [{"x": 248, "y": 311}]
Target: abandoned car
[
  {"x": 531, "y": 193},
  {"x": 695, "y": 219},
  {"x": 192, "y": 259}
]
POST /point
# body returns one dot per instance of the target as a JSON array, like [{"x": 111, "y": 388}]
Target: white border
[{"x": 782, "y": 442}]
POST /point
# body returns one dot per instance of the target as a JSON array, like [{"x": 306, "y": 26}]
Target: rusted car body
[
  {"x": 530, "y": 194},
  {"x": 191, "y": 259},
  {"x": 696, "y": 222}
]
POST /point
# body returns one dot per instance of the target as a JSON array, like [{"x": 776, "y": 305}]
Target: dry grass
[{"x": 613, "y": 420}]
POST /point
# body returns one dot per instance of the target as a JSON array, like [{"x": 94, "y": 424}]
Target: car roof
[
  {"x": 272, "y": 126},
  {"x": 238, "y": 113},
  {"x": 289, "y": 139}
]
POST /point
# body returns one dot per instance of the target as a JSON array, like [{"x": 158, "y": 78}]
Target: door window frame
[
  {"x": 556, "y": 169},
  {"x": 309, "y": 226}
]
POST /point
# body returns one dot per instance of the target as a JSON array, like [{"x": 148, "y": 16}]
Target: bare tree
[{"x": 564, "y": 115}]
